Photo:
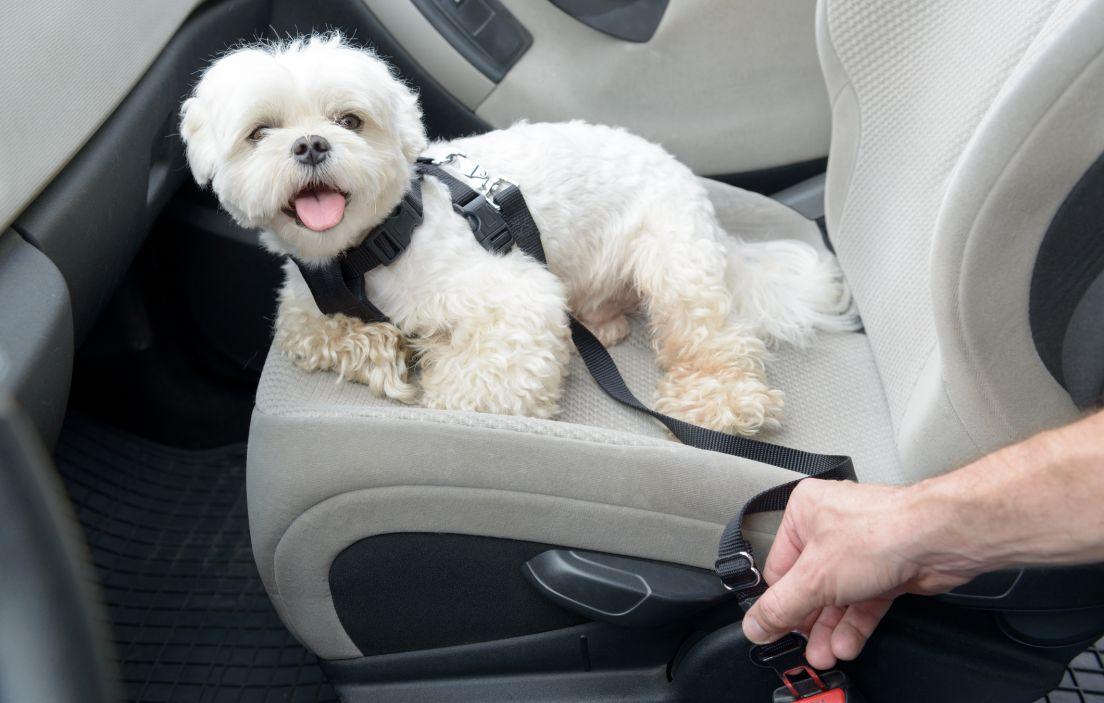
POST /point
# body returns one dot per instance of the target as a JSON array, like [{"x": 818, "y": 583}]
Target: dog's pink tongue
[{"x": 320, "y": 210}]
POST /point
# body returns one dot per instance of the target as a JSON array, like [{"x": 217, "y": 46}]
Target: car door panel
[
  {"x": 432, "y": 51},
  {"x": 728, "y": 87},
  {"x": 66, "y": 66},
  {"x": 94, "y": 215},
  {"x": 36, "y": 334}
]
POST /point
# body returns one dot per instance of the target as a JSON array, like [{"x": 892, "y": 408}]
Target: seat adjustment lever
[{"x": 623, "y": 590}]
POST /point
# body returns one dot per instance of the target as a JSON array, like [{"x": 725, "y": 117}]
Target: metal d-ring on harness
[{"x": 499, "y": 218}]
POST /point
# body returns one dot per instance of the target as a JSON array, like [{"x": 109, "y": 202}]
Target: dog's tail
[{"x": 785, "y": 290}]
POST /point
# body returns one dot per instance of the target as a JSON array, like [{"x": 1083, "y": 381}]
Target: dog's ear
[
  {"x": 408, "y": 117},
  {"x": 198, "y": 140}
]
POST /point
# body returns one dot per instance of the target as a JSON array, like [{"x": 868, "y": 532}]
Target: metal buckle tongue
[
  {"x": 787, "y": 658},
  {"x": 477, "y": 177}
]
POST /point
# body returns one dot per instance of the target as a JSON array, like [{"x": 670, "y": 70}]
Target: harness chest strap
[{"x": 338, "y": 285}]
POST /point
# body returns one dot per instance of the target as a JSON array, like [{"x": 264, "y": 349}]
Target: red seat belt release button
[
  {"x": 803, "y": 685},
  {"x": 801, "y": 682},
  {"x": 836, "y": 695}
]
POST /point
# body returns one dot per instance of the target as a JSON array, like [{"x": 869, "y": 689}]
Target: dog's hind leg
[{"x": 714, "y": 366}]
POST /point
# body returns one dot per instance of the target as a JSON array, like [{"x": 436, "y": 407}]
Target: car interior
[{"x": 187, "y": 516}]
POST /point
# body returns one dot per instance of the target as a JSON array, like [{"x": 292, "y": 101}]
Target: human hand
[{"x": 843, "y": 553}]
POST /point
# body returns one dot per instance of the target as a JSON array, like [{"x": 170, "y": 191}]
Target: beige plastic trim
[
  {"x": 726, "y": 86},
  {"x": 414, "y": 32},
  {"x": 65, "y": 67}
]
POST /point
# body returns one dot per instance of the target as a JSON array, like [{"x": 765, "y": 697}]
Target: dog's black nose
[{"x": 311, "y": 150}]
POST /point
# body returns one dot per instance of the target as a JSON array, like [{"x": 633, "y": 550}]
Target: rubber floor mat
[
  {"x": 1084, "y": 680},
  {"x": 168, "y": 533}
]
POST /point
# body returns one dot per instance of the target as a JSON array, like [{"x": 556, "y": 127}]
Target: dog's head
[{"x": 311, "y": 139}]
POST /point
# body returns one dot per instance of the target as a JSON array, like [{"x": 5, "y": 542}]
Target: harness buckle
[
  {"x": 391, "y": 238},
  {"x": 486, "y": 224}
]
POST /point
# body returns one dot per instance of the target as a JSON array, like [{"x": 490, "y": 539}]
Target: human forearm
[
  {"x": 1033, "y": 503},
  {"x": 845, "y": 550}
]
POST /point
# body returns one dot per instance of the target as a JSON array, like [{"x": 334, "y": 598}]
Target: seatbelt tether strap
[{"x": 735, "y": 562}]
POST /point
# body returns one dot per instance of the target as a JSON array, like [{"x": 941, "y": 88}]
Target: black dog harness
[
  {"x": 500, "y": 220},
  {"x": 338, "y": 285}
]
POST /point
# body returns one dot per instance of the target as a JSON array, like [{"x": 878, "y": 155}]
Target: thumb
[{"x": 783, "y": 608}]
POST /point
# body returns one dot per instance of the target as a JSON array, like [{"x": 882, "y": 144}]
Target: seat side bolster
[
  {"x": 1034, "y": 145},
  {"x": 313, "y": 490}
]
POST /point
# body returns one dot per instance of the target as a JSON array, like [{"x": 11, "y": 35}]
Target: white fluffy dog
[{"x": 625, "y": 226}]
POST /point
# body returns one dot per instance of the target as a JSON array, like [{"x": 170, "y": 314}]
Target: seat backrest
[{"x": 960, "y": 129}]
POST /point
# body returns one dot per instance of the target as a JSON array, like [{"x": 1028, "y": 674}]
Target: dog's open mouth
[{"x": 317, "y": 207}]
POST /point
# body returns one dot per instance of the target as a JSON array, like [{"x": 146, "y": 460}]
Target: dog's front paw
[
  {"x": 504, "y": 369},
  {"x": 731, "y": 400},
  {"x": 482, "y": 399},
  {"x": 529, "y": 384},
  {"x": 372, "y": 354}
]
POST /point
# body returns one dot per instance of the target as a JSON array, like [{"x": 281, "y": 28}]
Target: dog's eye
[
  {"x": 258, "y": 133},
  {"x": 350, "y": 121}
]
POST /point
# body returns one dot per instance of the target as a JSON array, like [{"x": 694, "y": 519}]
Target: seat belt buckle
[
  {"x": 800, "y": 681},
  {"x": 837, "y": 689}
]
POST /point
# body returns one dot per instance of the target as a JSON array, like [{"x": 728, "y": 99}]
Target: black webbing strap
[
  {"x": 487, "y": 224},
  {"x": 461, "y": 192},
  {"x": 338, "y": 285},
  {"x": 334, "y": 294},
  {"x": 735, "y": 563}
]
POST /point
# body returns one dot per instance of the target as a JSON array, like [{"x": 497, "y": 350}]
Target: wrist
[
  {"x": 1031, "y": 503},
  {"x": 947, "y": 538}
]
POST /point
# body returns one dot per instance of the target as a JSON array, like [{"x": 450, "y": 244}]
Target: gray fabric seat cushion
[{"x": 330, "y": 464}]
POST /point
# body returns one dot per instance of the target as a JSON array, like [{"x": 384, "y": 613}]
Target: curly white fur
[{"x": 625, "y": 226}]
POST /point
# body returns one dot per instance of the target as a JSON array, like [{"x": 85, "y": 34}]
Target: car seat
[{"x": 963, "y": 200}]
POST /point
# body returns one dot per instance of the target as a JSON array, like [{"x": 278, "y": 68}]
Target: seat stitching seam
[{"x": 624, "y": 439}]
